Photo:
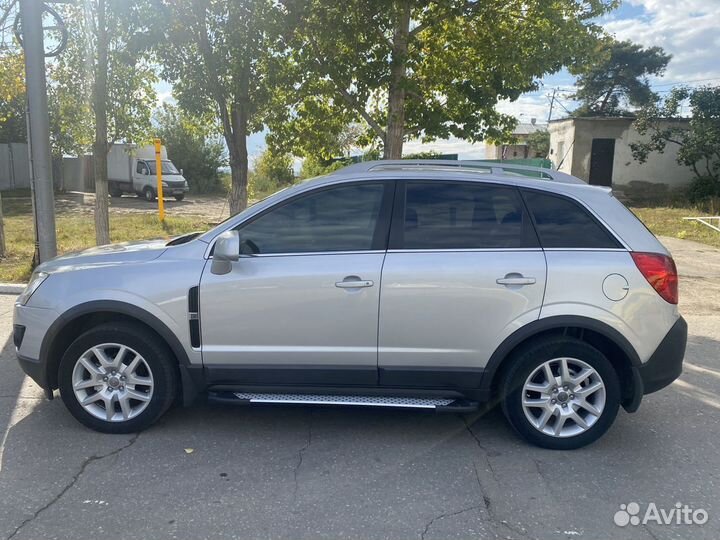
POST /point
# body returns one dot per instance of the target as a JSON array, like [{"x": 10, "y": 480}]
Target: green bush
[{"x": 192, "y": 148}]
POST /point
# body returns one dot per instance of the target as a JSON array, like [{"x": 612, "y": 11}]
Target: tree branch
[{"x": 346, "y": 96}]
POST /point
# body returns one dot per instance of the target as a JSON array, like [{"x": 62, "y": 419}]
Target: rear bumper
[{"x": 663, "y": 367}]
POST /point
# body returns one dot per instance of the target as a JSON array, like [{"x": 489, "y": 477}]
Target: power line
[{"x": 679, "y": 83}]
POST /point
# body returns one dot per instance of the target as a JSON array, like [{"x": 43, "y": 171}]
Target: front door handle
[
  {"x": 353, "y": 282},
  {"x": 515, "y": 279}
]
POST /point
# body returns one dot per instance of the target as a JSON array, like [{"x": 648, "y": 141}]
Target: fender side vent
[{"x": 194, "y": 316}]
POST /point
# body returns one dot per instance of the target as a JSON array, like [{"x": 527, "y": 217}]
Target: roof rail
[{"x": 470, "y": 166}]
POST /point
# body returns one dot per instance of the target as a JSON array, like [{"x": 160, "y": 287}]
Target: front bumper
[
  {"x": 663, "y": 367},
  {"x": 175, "y": 190},
  {"x": 30, "y": 325}
]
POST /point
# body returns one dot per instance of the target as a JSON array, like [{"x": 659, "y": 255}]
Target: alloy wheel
[
  {"x": 112, "y": 382},
  {"x": 563, "y": 397}
]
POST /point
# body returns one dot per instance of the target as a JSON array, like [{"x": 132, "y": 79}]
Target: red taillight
[{"x": 660, "y": 272}]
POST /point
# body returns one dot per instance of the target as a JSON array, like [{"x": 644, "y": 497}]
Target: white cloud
[
  {"x": 165, "y": 97},
  {"x": 465, "y": 149},
  {"x": 687, "y": 30}
]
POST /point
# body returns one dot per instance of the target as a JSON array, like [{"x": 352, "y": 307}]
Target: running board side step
[{"x": 401, "y": 402}]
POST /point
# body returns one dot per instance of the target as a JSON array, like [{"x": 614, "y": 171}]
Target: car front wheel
[
  {"x": 117, "y": 378},
  {"x": 561, "y": 393}
]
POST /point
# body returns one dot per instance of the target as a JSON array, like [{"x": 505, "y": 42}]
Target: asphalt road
[{"x": 295, "y": 472}]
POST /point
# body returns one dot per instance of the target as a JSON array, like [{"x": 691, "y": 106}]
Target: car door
[
  {"x": 462, "y": 272},
  {"x": 140, "y": 175},
  {"x": 300, "y": 306}
]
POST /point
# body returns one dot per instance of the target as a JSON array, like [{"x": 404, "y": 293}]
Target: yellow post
[{"x": 158, "y": 170}]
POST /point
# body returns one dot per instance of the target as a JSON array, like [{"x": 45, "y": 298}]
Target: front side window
[
  {"x": 457, "y": 215},
  {"x": 562, "y": 223},
  {"x": 141, "y": 167},
  {"x": 342, "y": 218}
]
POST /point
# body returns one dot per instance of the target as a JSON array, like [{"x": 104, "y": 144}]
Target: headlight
[
  {"x": 164, "y": 184},
  {"x": 35, "y": 282}
]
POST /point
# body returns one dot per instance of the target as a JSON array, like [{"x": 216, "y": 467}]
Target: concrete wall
[
  {"x": 14, "y": 166},
  {"x": 78, "y": 174},
  {"x": 562, "y": 135},
  {"x": 659, "y": 175}
]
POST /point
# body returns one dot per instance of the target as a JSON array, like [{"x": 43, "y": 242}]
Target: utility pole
[
  {"x": 552, "y": 103},
  {"x": 39, "y": 129}
]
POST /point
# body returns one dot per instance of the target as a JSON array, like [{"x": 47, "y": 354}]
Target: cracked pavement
[{"x": 294, "y": 472}]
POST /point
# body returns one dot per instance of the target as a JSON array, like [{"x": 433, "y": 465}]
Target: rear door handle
[
  {"x": 515, "y": 279},
  {"x": 353, "y": 282}
]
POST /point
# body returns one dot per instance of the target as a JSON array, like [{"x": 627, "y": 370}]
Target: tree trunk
[
  {"x": 2, "y": 231},
  {"x": 100, "y": 147},
  {"x": 238, "y": 173},
  {"x": 238, "y": 150},
  {"x": 395, "y": 132}
]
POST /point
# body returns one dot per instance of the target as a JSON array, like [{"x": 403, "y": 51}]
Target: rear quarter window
[{"x": 563, "y": 223}]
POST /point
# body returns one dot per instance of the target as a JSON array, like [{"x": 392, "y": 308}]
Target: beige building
[
  {"x": 597, "y": 150},
  {"x": 520, "y": 149}
]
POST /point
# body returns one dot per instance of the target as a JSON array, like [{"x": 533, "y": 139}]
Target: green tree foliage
[
  {"x": 539, "y": 143},
  {"x": 697, "y": 140},
  {"x": 617, "y": 76},
  {"x": 102, "y": 87},
  {"x": 418, "y": 68},
  {"x": 312, "y": 167},
  {"x": 217, "y": 54},
  {"x": 194, "y": 147},
  {"x": 12, "y": 97},
  {"x": 271, "y": 171}
]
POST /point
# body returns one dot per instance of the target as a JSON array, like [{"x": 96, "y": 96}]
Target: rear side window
[
  {"x": 562, "y": 223},
  {"x": 456, "y": 215}
]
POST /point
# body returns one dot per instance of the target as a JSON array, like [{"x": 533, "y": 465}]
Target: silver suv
[{"x": 423, "y": 284}]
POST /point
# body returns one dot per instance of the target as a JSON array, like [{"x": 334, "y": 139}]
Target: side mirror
[
  {"x": 227, "y": 250},
  {"x": 181, "y": 173}
]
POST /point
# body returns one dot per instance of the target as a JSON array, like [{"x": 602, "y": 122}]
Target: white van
[{"x": 132, "y": 169}]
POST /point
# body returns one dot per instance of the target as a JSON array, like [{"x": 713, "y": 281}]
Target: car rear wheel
[
  {"x": 561, "y": 393},
  {"x": 117, "y": 378}
]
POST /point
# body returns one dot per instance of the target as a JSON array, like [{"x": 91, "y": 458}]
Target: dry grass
[
  {"x": 669, "y": 222},
  {"x": 75, "y": 232}
]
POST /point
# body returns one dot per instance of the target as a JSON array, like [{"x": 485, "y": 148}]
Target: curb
[{"x": 12, "y": 288}]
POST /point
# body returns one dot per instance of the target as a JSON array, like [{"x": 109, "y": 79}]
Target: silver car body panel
[
  {"x": 445, "y": 308},
  {"x": 277, "y": 310},
  {"x": 147, "y": 275}
]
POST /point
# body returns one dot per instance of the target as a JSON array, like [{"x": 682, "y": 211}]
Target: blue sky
[{"x": 687, "y": 29}]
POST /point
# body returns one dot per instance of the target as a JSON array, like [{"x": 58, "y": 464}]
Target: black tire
[
  {"x": 157, "y": 356},
  {"x": 530, "y": 358},
  {"x": 115, "y": 192},
  {"x": 149, "y": 194},
  {"x": 179, "y": 197}
]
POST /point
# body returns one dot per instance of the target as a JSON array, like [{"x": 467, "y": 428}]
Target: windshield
[{"x": 168, "y": 168}]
